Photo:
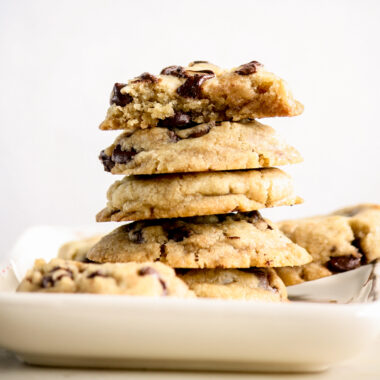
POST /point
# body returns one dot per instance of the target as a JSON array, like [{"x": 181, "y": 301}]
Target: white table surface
[{"x": 364, "y": 367}]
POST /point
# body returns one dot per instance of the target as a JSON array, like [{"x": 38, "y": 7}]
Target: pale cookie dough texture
[
  {"x": 249, "y": 284},
  {"x": 338, "y": 242},
  {"x": 215, "y": 241},
  {"x": 191, "y": 194},
  {"x": 199, "y": 93},
  {"x": 64, "y": 276},
  {"x": 77, "y": 249},
  {"x": 205, "y": 147}
]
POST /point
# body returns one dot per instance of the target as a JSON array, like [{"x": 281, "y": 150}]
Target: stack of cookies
[{"x": 197, "y": 166}]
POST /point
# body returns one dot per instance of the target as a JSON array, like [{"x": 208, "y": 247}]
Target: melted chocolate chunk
[
  {"x": 343, "y": 263},
  {"x": 120, "y": 156},
  {"x": 192, "y": 88},
  {"x": 106, "y": 161},
  {"x": 175, "y": 71},
  {"x": 136, "y": 236},
  {"x": 118, "y": 98},
  {"x": 178, "y": 234},
  {"x": 98, "y": 273},
  {"x": 145, "y": 77},
  {"x": 200, "y": 132},
  {"x": 248, "y": 68},
  {"x": 179, "y": 120}
]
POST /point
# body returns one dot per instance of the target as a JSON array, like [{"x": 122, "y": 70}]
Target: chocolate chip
[
  {"x": 145, "y": 77},
  {"x": 120, "y": 156},
  {"x": 200, "y": 132},
  {"x": 178, "y": 234},
  {"x": 98, "y": 273},
  {"x": 106, "y": 161},
  {"x": 117, "y": 97},
  {"x": 343, "y": 263},
  {"x": 47, "y": 282},
  {"x": 67, "y": 272},
  {"x": 233, "y": 237},
  {"x": 192, "y": 88},
  {"x": 136, "y": 236},
  {"x": 179, "y": 120},
  {"x": 146, "y": 271},
  {"x": 175, "y": 71},
  {"x": 248, "y": 68}
]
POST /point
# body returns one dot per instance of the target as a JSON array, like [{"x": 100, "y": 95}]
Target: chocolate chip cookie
[
  {"x": 65, "y": 276},
  {"x": 212, "y": 146},
  {"x": 190, "y": 194},
  {"x": 338, "y": 242},
  {"x": 77, "y": 249},
  {"x": 238, "y": 240},
  {"x": 249, "y": 284},
  {"x": 199, "y": 93}
]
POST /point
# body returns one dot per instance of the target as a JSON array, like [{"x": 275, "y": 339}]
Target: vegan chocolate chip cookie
[
  {"x": 338, "y": 242},
  {"x": 199, "y": 93},
  {"x": 212, "y": 146},
  {"x": 190, "y": 194},
  {"x": 248, "y": 284},
  {"x": 64, "y": 276},
  {"x": 239, "y": 240}
]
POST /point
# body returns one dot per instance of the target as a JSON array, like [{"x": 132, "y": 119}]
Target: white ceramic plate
[{"x": 120, "y": 331}]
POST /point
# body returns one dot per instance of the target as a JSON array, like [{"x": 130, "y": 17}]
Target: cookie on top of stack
[{"x": 198, "y": 167}]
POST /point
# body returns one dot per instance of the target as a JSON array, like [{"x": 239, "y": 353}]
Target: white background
[{"x": 59, "y": 60}]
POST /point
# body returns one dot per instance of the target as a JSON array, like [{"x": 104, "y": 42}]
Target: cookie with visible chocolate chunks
[
  {"x": 190, "y": 194},
  {"x": 338, "y": 242},
  {"x": 199, "y": 93},
  {"x": 204, "y": 147},
  {"x": 239, "y": 240},
  {"x": 259, "y": 284},
  {"x": 65, "y": 276}
]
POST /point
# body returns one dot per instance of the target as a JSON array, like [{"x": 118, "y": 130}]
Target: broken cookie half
[
  {"x": 199, "y": 93},
  {"x": 338, "y": 242}
]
